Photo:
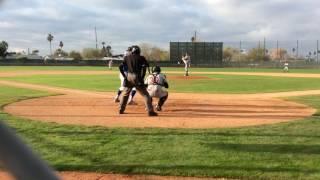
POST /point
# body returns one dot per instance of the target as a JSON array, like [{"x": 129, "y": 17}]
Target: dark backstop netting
[{"x": 201, "y": 53}]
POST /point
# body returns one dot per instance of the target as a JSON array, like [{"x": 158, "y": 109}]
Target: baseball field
[{"x": 217, "y": 123}]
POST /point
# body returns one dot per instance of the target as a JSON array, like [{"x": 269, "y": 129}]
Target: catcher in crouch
[{"x": 157, "y": 85}]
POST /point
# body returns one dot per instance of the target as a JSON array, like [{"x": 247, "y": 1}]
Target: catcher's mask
[{"x": 156, "y": 69}]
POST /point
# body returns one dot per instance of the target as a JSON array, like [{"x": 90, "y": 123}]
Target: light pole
[{"x": 317, "y": 51}]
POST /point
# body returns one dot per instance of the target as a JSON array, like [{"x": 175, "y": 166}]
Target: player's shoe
[
  {"x": 158, "y": 108},
  {"x": 132, "y": 103},
  {"x": 121, "y": 112},
  {"x": 116, "y": 100},
  {"x": 152, "y": 113}
]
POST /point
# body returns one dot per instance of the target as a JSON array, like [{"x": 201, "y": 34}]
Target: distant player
[
  {"x": 286, "y": 67},
  {"x": 122, "y": 85},
  {"x": 110, "y": 64},
  {"x": 187, "y": 63},
  {"x": 157, "y": 85}
]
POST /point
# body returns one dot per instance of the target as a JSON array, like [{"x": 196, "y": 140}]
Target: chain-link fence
[{"x": 272, "y": 49}]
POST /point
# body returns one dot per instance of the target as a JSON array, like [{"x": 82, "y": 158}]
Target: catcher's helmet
[
  {"x": 156, "y": 69},
  {"x": 129, "y": 49},
  {"x": 136, "y": 49}
]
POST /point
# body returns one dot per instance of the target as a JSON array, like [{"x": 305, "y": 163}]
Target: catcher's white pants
[{"x": 157, "y": 91}]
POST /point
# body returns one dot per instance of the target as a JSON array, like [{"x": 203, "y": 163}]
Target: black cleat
[
  {"x": 152, "y": 113},
  {"x": 158, "y": 108},
  {"x": 121, "y": 112}
]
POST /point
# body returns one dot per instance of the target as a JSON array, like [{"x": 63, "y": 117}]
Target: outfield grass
[
  {"x": 181, "y": 69},
  {"x": 267, "y": 70},
  {"x": 214, "y": 83},
  {"x": 281, "y": 151},
  {"x": 52, "y": 68}
]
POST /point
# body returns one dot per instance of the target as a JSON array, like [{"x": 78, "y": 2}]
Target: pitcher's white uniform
[
  {"x": 155, "y": 84},
  {"x": 187, "y": 62},
  {"x": 286, "y": 67}
]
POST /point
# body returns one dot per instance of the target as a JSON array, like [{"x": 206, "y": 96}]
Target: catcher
[{"x": 157, "y": 85}]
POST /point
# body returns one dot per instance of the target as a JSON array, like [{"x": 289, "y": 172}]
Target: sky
[{"x": 120, "y": 23}]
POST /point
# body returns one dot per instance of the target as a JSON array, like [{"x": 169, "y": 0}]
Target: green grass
[
  {"x": 267, "y": 70},
  {"x": 281, "y": 151},
  {"x": 181, "y": 68},
  {"x": 51, "y": 68},
  {"x": 8, "y": 94},
  {"x": 214, "y": 83}
]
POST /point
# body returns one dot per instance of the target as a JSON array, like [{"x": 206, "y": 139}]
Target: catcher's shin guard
[{"x": 161, "y": 102}]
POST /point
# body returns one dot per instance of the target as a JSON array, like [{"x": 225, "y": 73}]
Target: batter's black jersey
[{"x": 136, "y": 64}]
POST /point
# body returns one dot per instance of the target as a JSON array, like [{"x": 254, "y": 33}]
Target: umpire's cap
[{"x": 136, "y": 49}]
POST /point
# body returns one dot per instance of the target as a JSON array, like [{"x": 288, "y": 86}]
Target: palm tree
[
  {"x": 3, "y": 48},
  {"x": 61, "y": 44},
  {"x": 109, "y": 51},
  {"x": 103, "y": 50},
  {"x": 50, "y": 38}
]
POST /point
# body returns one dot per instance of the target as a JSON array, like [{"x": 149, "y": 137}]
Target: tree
[
  {"x": 257, "y": 54},
  {"x": 230, "y": 54},
  {"x": 103, "y": 50},
  {"x": 154, "y": 53},
  {"x": 60, "y": 53},
  {"x": 234, "y": 54},
  {"x": 61, "y": 44},
  {"x": 3, "y": 48},
  {"x": 50, "y": 38},
  {"x": 108, "y": 53},
  {"x": 75, "y": 55},
  {"x": 91, "y": 53}
]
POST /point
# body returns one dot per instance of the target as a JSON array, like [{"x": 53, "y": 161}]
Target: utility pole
[
  {"x": 317, "y": 51},
  {"x": 297, "y": 49},
  {"x": 95, "y": 32},
  {"x": 240, "y": 47},
  {"x": 195, "y": 36},
  {"x": 264, "y": 47},
  {"x": 278, "y": 50}
]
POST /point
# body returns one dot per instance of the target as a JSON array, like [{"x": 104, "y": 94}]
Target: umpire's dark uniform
[{"x": 137, "y": 66}]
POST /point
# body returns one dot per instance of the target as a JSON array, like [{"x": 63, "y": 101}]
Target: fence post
[{"x": 20, "y": 160}]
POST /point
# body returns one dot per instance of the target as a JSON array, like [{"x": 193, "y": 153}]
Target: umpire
[{"x": 137, "y": 67}]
